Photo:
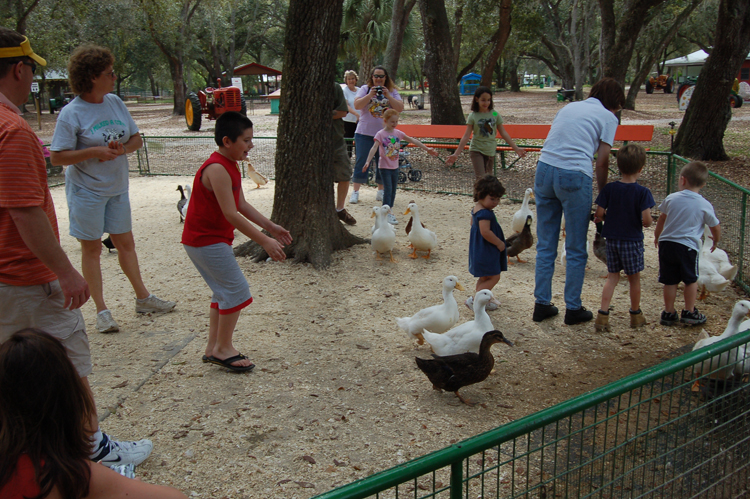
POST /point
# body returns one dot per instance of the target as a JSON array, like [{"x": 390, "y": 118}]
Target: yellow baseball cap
[{"x": 23, "y": 50}]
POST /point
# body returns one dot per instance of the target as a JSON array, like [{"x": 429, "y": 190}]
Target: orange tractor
[
  {"x": 661, "y": 82},
  {"x": 213, "y": 102}
]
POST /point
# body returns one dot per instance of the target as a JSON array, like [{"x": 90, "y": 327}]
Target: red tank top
[
  {"x": 205, "y": 223},
  {"x": 23, "y": 481}
]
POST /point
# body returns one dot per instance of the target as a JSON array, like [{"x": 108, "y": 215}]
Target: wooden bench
[{"x": 624, "y": 133}]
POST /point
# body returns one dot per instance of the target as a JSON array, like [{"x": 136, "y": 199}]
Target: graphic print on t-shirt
[
  {"x": 391, "y": 145},
  {"x": 486, "y": 127},
  {"x": 378, "y": 106}
]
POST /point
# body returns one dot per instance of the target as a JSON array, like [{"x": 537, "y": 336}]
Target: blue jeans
[
  {"x": 363, "y": 144},
  {"x": 559, "y": 191},
  {"x": 390, "y": 181}
]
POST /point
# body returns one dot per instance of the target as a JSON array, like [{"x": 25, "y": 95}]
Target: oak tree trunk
[
  {"x": 618, "y": 38},
  {"x": 399, "y": 19},
  {"x": 445, "y": 101},
  {"x": 304, "y": 195},
  {"x": 701, "y": 133},
  {"x": 501, "y": 36}
]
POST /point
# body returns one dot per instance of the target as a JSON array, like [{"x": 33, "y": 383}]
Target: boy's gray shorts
[{"x": 219, "y": 268}]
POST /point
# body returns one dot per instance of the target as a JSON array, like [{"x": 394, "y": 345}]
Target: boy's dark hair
[
  {"x": 86, "y": 63},
  {"x": 10, "y": 38},
  {"x": 609, "y": 92},
  {"x": 630, "y": 159},
  {"x": 231, "y": 125},
  {"x": 45, "y": 411},
  {"x": 696, "y": 173},
  {"x": 488, "y": 185},
  {"x": 477, "y": 94}
]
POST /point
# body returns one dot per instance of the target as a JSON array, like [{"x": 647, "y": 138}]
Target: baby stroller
[{"x": 405, "y": 169}]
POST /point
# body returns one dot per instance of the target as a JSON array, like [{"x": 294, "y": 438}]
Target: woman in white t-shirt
[
  {"x": 351, "y": 119},
  {"x": 563, "y": 185}
]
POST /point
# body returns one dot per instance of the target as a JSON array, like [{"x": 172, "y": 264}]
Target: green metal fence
[{"x": 663, "y": 432}]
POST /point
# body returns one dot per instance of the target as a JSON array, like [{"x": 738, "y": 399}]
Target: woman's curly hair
[{"x": 86, "y": 63}]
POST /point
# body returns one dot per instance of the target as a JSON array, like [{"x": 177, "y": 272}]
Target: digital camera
[{"x": 379, "y": 91}]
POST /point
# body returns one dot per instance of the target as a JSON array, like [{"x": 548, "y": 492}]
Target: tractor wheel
[
  {"x": 681, "y": 89},
  {"x": 193, "y": 112},
  {"x": 735, "y": 101},
  {"x": 243, "y": 106},
  {"x": 649, "y": 87},
  {"x": 669, "y": 86}
]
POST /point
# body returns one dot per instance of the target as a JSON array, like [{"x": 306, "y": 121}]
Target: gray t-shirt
[
  {"x": 82, "y": 125},
  {"x": 687, "y": 212}
]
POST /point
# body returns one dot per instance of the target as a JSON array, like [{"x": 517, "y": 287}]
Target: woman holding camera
[{"x": 373, "y": 99}]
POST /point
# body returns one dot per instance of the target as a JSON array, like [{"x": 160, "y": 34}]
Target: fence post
[
  {"x": 145, "y": 157},
  {"x": 457, "y": 479},
  {"x": 670, "y": 172},
  {"x": 743, "y": 220}
]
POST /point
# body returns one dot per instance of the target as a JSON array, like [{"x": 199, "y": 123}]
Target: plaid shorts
[{"x": 624, "y": 255}]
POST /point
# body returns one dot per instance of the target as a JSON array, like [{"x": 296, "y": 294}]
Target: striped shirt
[{"x": 23, "y": 184}]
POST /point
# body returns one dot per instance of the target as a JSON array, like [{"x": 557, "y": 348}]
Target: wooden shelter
[{"x": 265, "y": 80}]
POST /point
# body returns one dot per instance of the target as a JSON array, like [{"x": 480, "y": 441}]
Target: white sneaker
[
  {"x": 470, "y": 303},
  {"x": 118, "y": 453},
  {"x": 379, "y": 195},
  {"x": 354, "y": 198},
  {"x": 152, "y": 304},
  {"x": 392, "y": 219},
  {"x": 105, "y": 323}
]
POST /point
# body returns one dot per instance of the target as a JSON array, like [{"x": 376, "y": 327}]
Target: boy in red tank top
[{"x": 217, "y": 207}]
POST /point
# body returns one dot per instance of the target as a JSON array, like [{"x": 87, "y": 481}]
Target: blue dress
[{"x": 484, "y": 258}]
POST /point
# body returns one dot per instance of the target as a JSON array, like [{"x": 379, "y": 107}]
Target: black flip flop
[
  {"x": 205, "y": 359},
  {"x": 228, "y": 363}
]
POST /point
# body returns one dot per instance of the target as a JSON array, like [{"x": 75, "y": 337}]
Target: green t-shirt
[{"x": 485, "y": 132}]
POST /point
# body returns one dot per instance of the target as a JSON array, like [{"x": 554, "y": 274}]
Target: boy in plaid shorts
[
  {"x": 678, "y": 236},
  {"x": 627, "y": 205}
]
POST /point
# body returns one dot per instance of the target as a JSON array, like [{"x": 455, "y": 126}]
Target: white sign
[
  {"x": 237, "y": 82},
  {"x": 35, "y": 88}
]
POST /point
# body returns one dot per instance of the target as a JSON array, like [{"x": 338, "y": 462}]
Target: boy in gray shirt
[{"x": 677, "y": 236}]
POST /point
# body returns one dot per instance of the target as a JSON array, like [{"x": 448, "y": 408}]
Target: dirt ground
[{"x": 336, "y": 395}]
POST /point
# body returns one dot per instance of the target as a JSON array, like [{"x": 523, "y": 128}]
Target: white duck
[
  {"x": 727, "y": 360},
  {"x": 468, "y": 336},
  {"x": 375, "y": 211},
  {"x": 519, "y": 219},
  {"x": 421, "y": 239},
  {"x": 184, "y": 209},
  {"x": 718, "y": 257},
  {"x": 709, "y": 278},
  {"x": 384, "y": 236},
  {"x": 438, "y": 318}
]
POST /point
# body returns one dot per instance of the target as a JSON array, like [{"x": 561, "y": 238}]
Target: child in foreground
[
  {"x": 627, "y": 205},
  {"x": 388, "y": 141},
  {"x": 678, "y": 236},
  {"x": 45, "y": 438},
  {"x": 484, "y": 122},
  {"x": 487, "y": 253},
  {"x": 218, "y": 207}
]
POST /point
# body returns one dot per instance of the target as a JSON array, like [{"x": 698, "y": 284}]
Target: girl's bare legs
[{"x": 220, "y": 331}]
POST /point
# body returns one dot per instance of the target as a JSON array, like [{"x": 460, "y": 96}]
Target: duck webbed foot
[
  {"x": 464, "y": 400},
  {"x": 393, "y": 260},
  {"x": 427, "y": 256}
]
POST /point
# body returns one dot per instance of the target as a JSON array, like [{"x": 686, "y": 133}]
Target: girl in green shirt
[{"x": 485, "y": 123}]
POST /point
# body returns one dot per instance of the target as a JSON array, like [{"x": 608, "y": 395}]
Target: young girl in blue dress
[{"x": 487, "y": 254}]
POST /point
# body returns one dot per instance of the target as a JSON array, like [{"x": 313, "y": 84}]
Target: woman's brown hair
[
  {"x": 45, "y": 411},
  {"x": 388, "y": 82},
  {"x": 86, "y": 63},
  {"x": 610, "y": 93}
]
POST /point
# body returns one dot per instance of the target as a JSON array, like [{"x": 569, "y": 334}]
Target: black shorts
[{"x": 677, "y": 263}]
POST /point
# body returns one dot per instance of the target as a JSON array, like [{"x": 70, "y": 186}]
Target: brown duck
[
  {"x": 521, "y": 241},
  {"x": 453, "y": 372}
]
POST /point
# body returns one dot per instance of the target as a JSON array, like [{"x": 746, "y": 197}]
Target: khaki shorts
[
  {"x": 342, "y": 166},
  {"x": 41, "y": 307}
]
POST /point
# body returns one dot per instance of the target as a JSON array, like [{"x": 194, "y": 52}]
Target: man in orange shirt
[{"x": 39, "y": 287}]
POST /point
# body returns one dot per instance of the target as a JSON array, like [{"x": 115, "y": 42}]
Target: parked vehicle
[{"x": 212, "y": 102}]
